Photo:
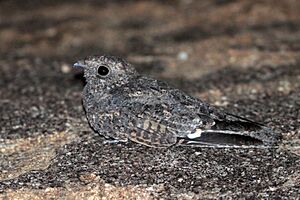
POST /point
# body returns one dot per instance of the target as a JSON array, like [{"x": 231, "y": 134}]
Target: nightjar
[{"x": 122, "y": 105}]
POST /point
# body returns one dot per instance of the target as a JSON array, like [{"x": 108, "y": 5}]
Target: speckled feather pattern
[{"x": 124, "y": 105}]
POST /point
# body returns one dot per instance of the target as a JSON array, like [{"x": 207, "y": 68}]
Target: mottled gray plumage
[{"x": 122, "y": 105}]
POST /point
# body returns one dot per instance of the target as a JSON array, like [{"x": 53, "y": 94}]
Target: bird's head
[{"x": 106, "y": 71}]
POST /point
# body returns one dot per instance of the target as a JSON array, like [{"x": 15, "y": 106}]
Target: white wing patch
[{"x": 196, "y": 134}]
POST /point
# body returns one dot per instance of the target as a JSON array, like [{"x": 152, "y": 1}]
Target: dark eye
[{"x": 103, "y": 70}]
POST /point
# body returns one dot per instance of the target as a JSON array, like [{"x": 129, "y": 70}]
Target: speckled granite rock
[{"x": 240, "y": 55}]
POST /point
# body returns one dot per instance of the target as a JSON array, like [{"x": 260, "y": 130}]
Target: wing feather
[{"x": 163, "y": 116}]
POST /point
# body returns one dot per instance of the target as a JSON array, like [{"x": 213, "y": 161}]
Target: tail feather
[{"x": 235, "y": 132}]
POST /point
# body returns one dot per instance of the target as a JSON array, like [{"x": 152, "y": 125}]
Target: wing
[{"x": 155, "y": 117}]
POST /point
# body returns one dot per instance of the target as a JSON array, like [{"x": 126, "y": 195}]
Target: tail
[{"x": 234, "y": 132}]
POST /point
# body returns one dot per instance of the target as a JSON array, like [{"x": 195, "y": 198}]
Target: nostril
[{"x": 79, "y": 64}]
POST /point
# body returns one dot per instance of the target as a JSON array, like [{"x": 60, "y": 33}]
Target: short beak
[{"x": 79, "y": 64}]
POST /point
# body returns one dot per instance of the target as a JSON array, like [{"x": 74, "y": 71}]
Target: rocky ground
[{"x": 243, "y": 56}]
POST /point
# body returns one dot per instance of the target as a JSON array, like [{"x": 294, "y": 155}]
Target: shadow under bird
[{"x": 123, "y": 106}]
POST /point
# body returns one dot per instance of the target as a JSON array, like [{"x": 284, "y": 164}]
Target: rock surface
[{"x": 243, "y": 56}]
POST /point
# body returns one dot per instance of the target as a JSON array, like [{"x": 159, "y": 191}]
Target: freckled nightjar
[{"x": 122, "y": 105}]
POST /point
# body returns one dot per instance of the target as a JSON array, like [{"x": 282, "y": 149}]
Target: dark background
[{"x": 242, "y": 56}]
